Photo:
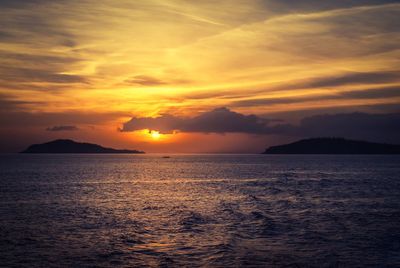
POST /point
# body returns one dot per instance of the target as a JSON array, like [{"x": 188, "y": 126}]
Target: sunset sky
[{"x": 198, "y": 76}]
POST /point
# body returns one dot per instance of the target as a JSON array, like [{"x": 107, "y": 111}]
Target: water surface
[{"x": 199, "y": 210}]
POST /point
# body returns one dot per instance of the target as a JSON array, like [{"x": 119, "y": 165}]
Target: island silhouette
[
  {"x": 333, "y": 146},
  {"x": 72, "y": 147}
]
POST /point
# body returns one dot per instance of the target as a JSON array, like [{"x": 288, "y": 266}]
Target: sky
[{"x": 198, "y": 76}]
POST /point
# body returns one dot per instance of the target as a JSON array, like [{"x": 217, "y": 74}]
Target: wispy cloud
[
  {"x": 145, "y": 81},
  {"x": 62, "y": 128},
  {"x": 369, "y": 93},
  {"x": 353, "y": 78},
  {"x": 77, "y": 58}
]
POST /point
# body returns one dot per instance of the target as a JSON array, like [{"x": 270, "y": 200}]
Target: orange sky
[{"x": 93, "y": 65}]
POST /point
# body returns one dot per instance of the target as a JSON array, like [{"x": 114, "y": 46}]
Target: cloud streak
[
  {"x": 353, "y": 78},
  {"x": 62, "y": 128},
  {"x": 145, "y": 80},
  {"x": 370, "y": 93}
]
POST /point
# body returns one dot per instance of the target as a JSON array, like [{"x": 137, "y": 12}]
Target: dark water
[{"x": 199, "y": 210}]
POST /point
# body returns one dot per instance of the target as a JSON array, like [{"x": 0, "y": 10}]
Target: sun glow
[{"x": 155, "y": 135}]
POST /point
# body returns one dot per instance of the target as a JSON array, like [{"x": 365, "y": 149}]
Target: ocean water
[{"x": 199, "y": 210}]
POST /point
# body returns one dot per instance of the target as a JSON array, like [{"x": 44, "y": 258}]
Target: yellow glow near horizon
[
  {"x": 193, "y": 56},
  {"x": 155, "y": 135},
  {"x": 132, "y": 59},
  {"x": 149, "y": 135}
]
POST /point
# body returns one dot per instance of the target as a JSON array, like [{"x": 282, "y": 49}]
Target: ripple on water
[{"x": 199, "y": 210}]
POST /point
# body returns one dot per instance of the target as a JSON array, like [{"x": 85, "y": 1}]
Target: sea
[{"x": 199, "y": 210}]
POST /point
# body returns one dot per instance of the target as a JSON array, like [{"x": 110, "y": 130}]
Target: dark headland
[
  {"x": 333, "y": 146},
  {"x": 73, "y": 147}
]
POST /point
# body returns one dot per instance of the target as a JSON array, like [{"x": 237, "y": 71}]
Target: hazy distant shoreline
[{"x": 335, "y": 146}]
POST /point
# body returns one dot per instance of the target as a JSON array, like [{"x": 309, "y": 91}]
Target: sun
[
  {"x": 155, "y": 135},
  {"x": 149, "y": 135}
]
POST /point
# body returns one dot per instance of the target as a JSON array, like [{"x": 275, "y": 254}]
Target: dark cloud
[
  {"x": 25, "y": 24},
  {"x": 372, "y": 127},
  {"x": 355, "y": 78},
  {"x": 5, "y": 36},
  {"x": 69, "y": 43},
  {"x": 288, "y": 6},
  {"x": 294, "y": 116},
  {"x": 62, "y": 128},
  {"x": 375, "y": 127},
  {"x": 29, "y": 26},
  {"x": 21, "y": 3},
  {"x": 52, "y": 61},
  {"x": 19, "y": 68},
  {"x": 145, "y": 80},
  {"x": 15, "y": 74},
  {"x": 19, "y": 118},
  {"x": 9, "y": 105},
  {"x": 346, "y": 33},
  {"x": 374, "y": 93},
  {"x": 220, "y": 120}
]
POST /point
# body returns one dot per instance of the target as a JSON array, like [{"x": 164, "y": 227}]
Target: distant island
[
  {"x": 73, "y": 147},
  {"x": 333, "y": 146}
]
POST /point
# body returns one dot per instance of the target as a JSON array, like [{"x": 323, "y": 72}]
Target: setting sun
[
  {"x": 232, "y": 133},
  {"x": 155, "y": 135}
]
